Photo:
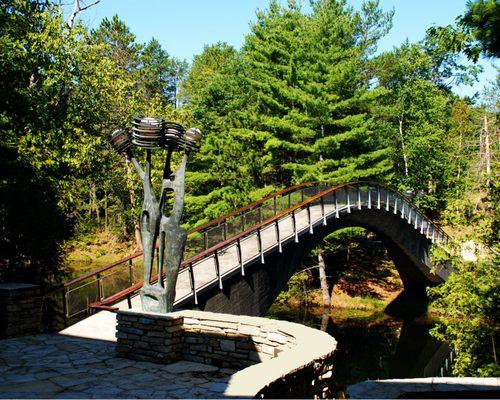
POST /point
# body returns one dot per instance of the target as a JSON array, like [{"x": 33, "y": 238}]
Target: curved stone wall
[{"x": 273, "y": 358}]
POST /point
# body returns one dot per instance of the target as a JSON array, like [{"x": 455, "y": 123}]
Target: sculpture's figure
[{"x": 156, "y": 225}]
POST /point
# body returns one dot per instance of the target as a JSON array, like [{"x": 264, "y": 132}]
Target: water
[{"x": 372, "y": 345}]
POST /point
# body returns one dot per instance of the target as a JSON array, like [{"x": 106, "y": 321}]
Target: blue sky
[{"x": 183, "y": 27}]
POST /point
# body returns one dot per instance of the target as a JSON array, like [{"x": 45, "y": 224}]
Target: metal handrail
[
  {"x": 64, "y": 288},
  {"x": 214, "y": 250}
]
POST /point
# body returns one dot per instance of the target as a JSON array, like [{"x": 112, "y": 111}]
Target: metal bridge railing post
[
  {"x": 387, "y": 200},
  {"x": 402, "y": 209},
  {"x": 193, "y": 287},
  {"x": 369, "y": 197},
  {"x": 323, "y": 210},
  {"x": 240, "y": 256},
  {"x": 379, "y": 202},
  {"x": 395, "y": 203},
  {"x": 65, "y": 305},
  {"x": 336, "y": 204},
  {"x": 261, "y": 248},
  {"x": 217, "y": 268},
  {"x": 278, "y": 238},
  {"x": 348, "y": 199},
  {"x": 224, "y": 229},
  {"x": 410, "y": 209},
  {"x": 294, "y": 224},
  {"x": 205, "y": 239},
  {"x": 358, "y": 195},
  {"x": 242, "y": 222},
  {"x": 309, "y": 221},
  {"x": 99, "y": 287},
  {"x": 275, "y": 205}
]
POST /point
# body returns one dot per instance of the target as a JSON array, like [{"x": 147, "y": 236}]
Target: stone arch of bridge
[{"x": 255, "y": 292}]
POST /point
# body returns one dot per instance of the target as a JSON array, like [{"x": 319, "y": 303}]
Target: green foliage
[
  {"x": 295, "y": 288},
  {"x": 33, "y": 226},
  {"x": 468, "y": 305}
]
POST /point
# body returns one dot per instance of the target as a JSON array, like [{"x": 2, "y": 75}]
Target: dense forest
[{"x": 306, "y": 98}]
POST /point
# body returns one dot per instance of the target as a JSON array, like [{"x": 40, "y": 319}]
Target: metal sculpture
[{"x": 156, "y": 224}]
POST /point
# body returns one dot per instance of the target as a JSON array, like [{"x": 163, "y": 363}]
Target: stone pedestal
[{"x": 20, "y": 309}]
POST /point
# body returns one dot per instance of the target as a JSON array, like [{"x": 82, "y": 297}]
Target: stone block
[
  {"x": 276, "y": 337},
  {"x": 248, "y": 330},
  {"x": 193, "y": 339},
  {"x": 191, "y": 321},
  {"x": 227, "y": 345},
  {"x": 264, "y": 348},
  {"x": 219, "y": 324}
]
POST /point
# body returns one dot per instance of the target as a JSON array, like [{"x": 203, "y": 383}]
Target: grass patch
[{"x": 93, "y": 251}]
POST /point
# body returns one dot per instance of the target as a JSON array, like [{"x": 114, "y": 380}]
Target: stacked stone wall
[
  {"x": 273, "y": 358},
  {"x": 20, "y": 309}
]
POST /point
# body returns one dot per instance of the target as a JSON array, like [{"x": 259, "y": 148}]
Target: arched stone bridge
[{"x": 240, "y": 262}]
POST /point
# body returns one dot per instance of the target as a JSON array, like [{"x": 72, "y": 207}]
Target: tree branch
[{"x": 78, "y": 8}]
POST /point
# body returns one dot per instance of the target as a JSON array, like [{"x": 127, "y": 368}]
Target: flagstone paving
[{"x": 57, "y": 366}]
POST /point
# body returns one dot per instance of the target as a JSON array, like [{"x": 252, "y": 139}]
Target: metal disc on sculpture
[
  {"x": 192, "y": 137},
  {"x": 172, "y": 133},
  {"x": 120, "y": 140},
  {"x": 147, "y": 132}
]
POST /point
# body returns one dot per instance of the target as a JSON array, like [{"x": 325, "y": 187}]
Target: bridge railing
[
  {"x": 210, "y": 266},
  {"x": 71, "y": 301}
]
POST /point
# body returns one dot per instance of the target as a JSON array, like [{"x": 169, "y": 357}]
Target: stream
[{"x": 372, "y": 345}]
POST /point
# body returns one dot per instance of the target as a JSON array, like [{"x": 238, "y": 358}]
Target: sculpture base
[{"x": 154, "y": 298}]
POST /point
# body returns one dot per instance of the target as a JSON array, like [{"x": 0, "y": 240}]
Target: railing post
[
  {"x": 294, "y": 224},
  {"x": 336, "y": 204},
  {"x": 242, "y": 222},
  {"x": 205, "y": 239},
  {"x": 309, "y": 221},
  {"x": 323, "y": 214},
  {"x": 131, "y": 272},
  {"x": 289, "y": 200},
  {"x": 261, "y": 248},
  {"x": 217, "y": 268},
  {"x": 358, "y": 195},
  {"x": 240, "y": 256},
  {"x": 369, "y": 197},
  {"x": 410, "y": 209},
  {"x": 395, "y": 203},
  {"x": 348, "y": 199},
  {"x": 260, "y": 213},
  {"x": 387, "y": 200},
  {"x": 275, "y": 205},
  {"x": 427, "y": 231},
  {"x": 278, "y": 239},
  {"x": 402, "y": 209},
  {"x": 379, "y": 202},
  {"x": 415, "y": 226},
  {"x": 422, "y": 220},
  {"x": 301, "y": 195},
  {"x": 99, "y": 287},
  {"x": 193, "y": 287},
  {"x": 65, "y": 305},
  {"x": 224, "y": 229}
]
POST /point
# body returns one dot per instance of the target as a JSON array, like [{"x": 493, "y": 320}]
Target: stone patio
[{"x": 57, "y": 366}]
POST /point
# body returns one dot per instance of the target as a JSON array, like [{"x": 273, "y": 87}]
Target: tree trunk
[
  {"x": 322, "y": 279},
  {"x": 403, "y": 146},
  {"x": 106, "y": 210},
  {"x": 487, "y": 153}
]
